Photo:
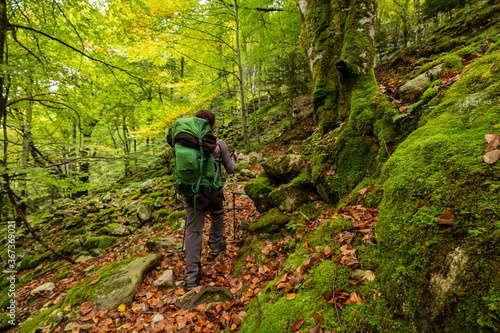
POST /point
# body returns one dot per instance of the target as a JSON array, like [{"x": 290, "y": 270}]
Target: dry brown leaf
[
  {"x": 180, "y": 292},
  {"x": 296, "y": 325},
  {"x": 290, "y": 297},
  {"x": 94, "y": 282},
  {"x": 354, "y": 299},
  {"x": 75, "y": 330},
  {"x": 349, "y": 261},
  {"x": 492, "y": 157},
  {"x": 318, "y": 318},
  {"x": 327, "y": 251},
  {"x": 446, "y": 218}
]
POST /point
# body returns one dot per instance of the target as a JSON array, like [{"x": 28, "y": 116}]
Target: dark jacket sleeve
[{"x": 229, "y": 164}]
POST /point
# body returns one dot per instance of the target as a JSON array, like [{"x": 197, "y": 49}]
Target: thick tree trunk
[{"x": 338, "y": 36}]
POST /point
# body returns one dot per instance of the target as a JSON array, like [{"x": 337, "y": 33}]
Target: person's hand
[{"x": 234, "y": 155}]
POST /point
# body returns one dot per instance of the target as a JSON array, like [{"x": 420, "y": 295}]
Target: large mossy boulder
[
  {"x": 273, "y": 221},
  {"x": 290, "y": 196},
  {"x": 438, "y": 222},
  {"x": 121, "y": 287},
  {"x": 284, "y": 167},
  {"x": 258, "y": 190}
]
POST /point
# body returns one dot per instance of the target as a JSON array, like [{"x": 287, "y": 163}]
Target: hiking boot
[
  {"x": 216, "y": 252},
  {"x": 191, "y": 286}
]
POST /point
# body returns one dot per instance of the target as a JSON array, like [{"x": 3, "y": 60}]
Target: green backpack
[{"x": 195, "y": 169}]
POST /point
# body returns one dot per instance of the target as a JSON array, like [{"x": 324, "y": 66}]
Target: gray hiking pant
[{"x": 194, "y": 233}]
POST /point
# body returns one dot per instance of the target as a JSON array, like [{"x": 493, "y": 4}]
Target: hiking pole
[{"x": 234, "y": 208}]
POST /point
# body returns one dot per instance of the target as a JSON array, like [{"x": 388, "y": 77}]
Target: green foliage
[{"x": 452, "y": 62}]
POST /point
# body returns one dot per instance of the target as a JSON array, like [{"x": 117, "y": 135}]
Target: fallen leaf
[
  {"x": 296, "y": 325},
  {"x": 492, "y": 156},
  {"x": 327, "y": 251},
  {"x": 47, "y": 328},
  {"x": 327, "y": 296},
  {"x": 493, "y": 141},
  {"x": 75, "y": 330},
  {"x": 446, "y": 218},
  {"x": 370, "y": 276},
  {"x": 349, "y": 261},
  {"x": 122, "y": 307},
  {"x": 318, "y": 318},
  {"x": 67, "y": 308},
  {"x": 94, "y": 282},
  {"x": 316, "y": 329},
  {"x": 354, "y": 299},
  {"x": 290, "y": 297},
  {"x": 180, "y": 292}
]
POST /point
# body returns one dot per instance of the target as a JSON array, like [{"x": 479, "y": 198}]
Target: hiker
[{"x": 206, "y": 200}]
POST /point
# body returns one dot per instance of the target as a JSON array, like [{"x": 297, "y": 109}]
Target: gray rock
[
  {"x": 167, "y": 243},
  {"x": 159, "y": 202},
  {"x": 248, "y": 173},
  {"x": 74, "y": 313},
  {"x": 97, "y": 252},
  {"x": 49, "y": 286},
  {"x": 144, "y": 212},
  {"x": 119, "y": 230},
  {"x": 243, "y": 159},
  {"x": 69, "y": 327},
  {"x": 122, "y": 286},
  {"x": 166, "y": 280},
  {"x": 147, "y": 185},
  {"x": 106, "y": 198},
  {"x": 284, "y": 167},
  {"x": 208, "y": 294},
  {"x": 255, "y": 157},
  {"x": 180, "y": 284},
  {"x": 83, "y": 258},
  {"x": 413, "y": 89},
  {"x": 290, "y": 196},
  {"x": 134, "y": 221},
  {"x": 131, "y": 206}
]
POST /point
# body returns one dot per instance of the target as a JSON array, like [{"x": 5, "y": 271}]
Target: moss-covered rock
[
  {"x": 273, "y": 221},
  {"x": 258, "y": 190},
  {"x": 284, "y": 167},
  {"x": 290, "y": 196},
  {"x": 412, "y": 90},
  {"x": 99, "y": 242},
  {"x": 437, "y": 225}
]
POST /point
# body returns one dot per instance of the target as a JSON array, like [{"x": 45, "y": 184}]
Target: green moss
[
  {"x": 161, "y": 214},
  {"x": 99, "y": 242},
  {"x": 62, "y": 276},
  {"x": 452, "y": 62},
  {"x": 429, "y": 94},
  {"x": 258, "y": 189},
  {"x": 173, "y": 220},
  {"x": 102, "y": 213},
  {"x": 269, "y": 223}
]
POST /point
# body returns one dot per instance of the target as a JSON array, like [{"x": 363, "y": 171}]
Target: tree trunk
[
  {"x": 4, "y": 23},
  {"x": 345, "y": 86},
  {"x": 243, "y": 112},
  {"x": 416, "y": 8}
]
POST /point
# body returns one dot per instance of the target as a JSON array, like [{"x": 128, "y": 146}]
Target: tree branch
[
  {"x": 20, "y": 213},
  {"x": 71, "y": 47}
]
